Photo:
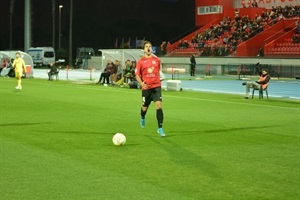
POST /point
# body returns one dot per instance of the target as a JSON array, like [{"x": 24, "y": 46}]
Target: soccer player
[
  {"x": 20, "y": 69},
  {"x": 147, "y": 74}
]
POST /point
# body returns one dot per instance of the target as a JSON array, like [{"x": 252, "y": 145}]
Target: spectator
[
  {"x": 297, "y": 27},
  {"x": 185, "y": 44},
  {"x": 296, "y": 38},
  {"x": 129, "y": 74},
  {"x": 3, "y": 64},
  {"x": 193, "y": 65},
  {"x": 133, "y": 82},
  {"x": 52, "y": 71},
  {"x": 78, "y": 63},
  {"x": 262, "y": 83},
  {"x": 261, "y": 52},
  {"x": 254, "y": 4},
  {"x": 194, "y": 41},
  {"x": 106, "y": 73},
  {"x": 132, "y": 72},
  {"x": 7, "y": 69},
  {"x": 163, "y": 48},
  {"x": 114, "y": 71},
  {"x": 128, "y": 71},
  {"x": 180, "y": 45},
  {"x": 237, "y": 16},
  {"x": 119, "y": 69}
]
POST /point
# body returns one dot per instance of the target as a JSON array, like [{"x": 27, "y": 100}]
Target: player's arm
[
  {"x": 138, "y": 76},
  {"x": 141, "y": 82},
  {"x": 24, "y": 66},
  {"x": 14, "y": 64},
  {"x": 161, "y": 74},
  {"x": 257, "y": 68}
]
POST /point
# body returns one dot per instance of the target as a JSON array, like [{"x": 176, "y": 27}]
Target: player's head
[
  {"x": 109, "y": 62},
  {"x": 133, "y": 63},
  {"x": 264, "y": 71},
  {"x": 18, "y": 54},
  {"x": 147, "y": 48}
]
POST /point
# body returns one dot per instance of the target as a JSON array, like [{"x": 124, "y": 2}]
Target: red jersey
[{"x": 148, "y": 69}]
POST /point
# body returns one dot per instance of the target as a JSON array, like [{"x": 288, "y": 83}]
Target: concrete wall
[{"x": 182, "y": 64}]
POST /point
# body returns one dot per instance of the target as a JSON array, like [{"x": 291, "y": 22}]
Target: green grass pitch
[{"x": 56, "y": 143}]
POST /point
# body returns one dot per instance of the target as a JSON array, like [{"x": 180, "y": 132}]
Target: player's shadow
[
  {"x": 175, "y": 133},
  {"x": 187, "y": 158},
  {"x": 23, "y": 124}
]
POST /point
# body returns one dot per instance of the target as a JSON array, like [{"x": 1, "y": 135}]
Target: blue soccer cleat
[
  {"x": 143, "y": 123},
  {"x": 161, "y": 132}
]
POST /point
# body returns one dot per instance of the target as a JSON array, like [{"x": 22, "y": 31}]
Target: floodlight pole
[{"x": 59, "y": 27}]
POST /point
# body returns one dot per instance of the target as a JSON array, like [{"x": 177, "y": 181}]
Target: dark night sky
[{"x": 99, "y": 23}]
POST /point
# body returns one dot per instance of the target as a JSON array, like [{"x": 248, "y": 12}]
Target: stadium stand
[{"x": 275, "y": 31}]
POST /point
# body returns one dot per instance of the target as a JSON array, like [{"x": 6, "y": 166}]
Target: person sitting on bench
[
  {"x": 261, "y": 84},
  {"x": 53, "y": 71}
]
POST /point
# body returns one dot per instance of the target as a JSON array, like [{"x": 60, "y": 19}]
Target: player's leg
[
  {"x": 18, "y": 76},
  {"x": 20, "y": 82},
  {"x": 256, "y": 85},
  {"x": 248, "y": 86},
  {"x": 157, "y": 98},
  {"x": 159, "y": 113},
  {"x": 146, "y": 100},
  {"x": 143, "y": 116},
  {"x": 251, "y": 85},
  {"x": 160, "y": 118}
]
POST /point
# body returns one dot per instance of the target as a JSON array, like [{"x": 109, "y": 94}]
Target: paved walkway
[{"x": 285, "y": 88}]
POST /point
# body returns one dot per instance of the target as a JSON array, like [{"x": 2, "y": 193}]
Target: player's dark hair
[{"x": 146, "y": 42}]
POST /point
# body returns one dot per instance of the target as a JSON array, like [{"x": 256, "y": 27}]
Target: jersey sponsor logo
[
  {"x": 150, "y": 72},
  {"x": 150, "y": 75}
]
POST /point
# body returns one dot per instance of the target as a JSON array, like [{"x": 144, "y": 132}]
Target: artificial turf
[{"x": 56, "y": 143}]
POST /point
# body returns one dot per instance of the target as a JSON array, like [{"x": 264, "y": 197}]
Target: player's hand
[{"x": 144, "y": 86}]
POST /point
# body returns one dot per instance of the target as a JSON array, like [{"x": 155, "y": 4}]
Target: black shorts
[{"x": 153, "y": 94}]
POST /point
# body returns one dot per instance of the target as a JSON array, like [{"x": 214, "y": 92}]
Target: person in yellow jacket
[{"x": 20, "y": 69}]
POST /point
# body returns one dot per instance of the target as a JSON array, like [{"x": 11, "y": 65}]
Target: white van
[{"x": 42, "y": 55}]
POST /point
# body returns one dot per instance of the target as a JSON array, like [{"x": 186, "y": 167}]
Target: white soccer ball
[
  {"x": 105, "y": 84},
  {"x": 119, "y": 139}
]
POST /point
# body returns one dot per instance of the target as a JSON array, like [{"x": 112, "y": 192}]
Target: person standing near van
[{"x": 20, "y": 69}]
